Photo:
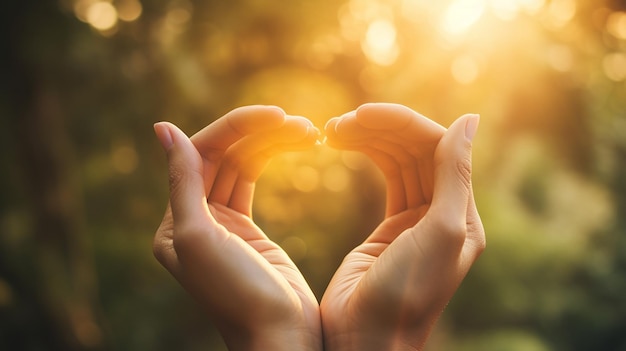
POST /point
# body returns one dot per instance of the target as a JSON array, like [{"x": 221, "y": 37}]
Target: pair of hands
[{"x": 388, "y": 292}]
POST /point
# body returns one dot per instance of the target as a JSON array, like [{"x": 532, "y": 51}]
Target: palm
[
  {"x": 254, "y": 249},
  {"x": 213, "y": 247},
  {"x": 389, "y": 290},
  {"x": 383, "y": 280},
  {"x": 375, "y": 274}
]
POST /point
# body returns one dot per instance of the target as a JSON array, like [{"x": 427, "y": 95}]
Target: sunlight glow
[
  {"x": 354, "y": 160},
  {"x": 532, "y": 6},
  {"x": 560, "y": 58},
  {"x": 505, "y": 10},
  {"x": 129, "y": 10},
  {"x": 616, "y": 25},
  {"x": 412, "y": 6},
  {"x": 81, "y": 7},
  {"x": 336, "y": 178},
  {"x": 379, "y": 44},
  {"x": 461, "y": 15},
  {"x": 102, "y": 15},
  {"x": 561, "y": 12},
  {"x": 615, "y": 66},
  {"x": 322, "y": 50},
  {"x": 305, "y": 179},
  {"x": 464, "y": 69}
]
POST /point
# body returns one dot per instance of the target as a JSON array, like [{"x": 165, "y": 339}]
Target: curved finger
[
  {"x": 400, "y": 165},
  {"x": 452, "y": 182},
  {"x": 243, "y": 190},
  {"x": 395, "y": 199},
  {"x": 191, "y": 219},
  {"x": 405, "y": 123},
  {"x": 187, "y": 195},
  {"x": 213, "y": 140},
  {"x": 242, "y": 121},
  {"x": 391, "y": 122},
  {"x": 408, "y": 167},
  {"x": 237, "y": 157},
  {"x": 330, "y": 135},
  {"x": 298, "y": 139},
  {"x": 395, "y": 189},
  {"x": 347, "y": 129},
  {"x": 475, "y": 241}
]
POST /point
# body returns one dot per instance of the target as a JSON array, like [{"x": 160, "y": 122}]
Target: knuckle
[
  {"x": 232, "y": 160},
  {"x": 477, "y": 237},
  {"x": 464, "y": 170},
  {"x": 454, "y": 231},
  {"x": 481, "y": 246},
  {"x": 179, "y": 177},
  {"x": 162, "y": 242},
  {"x": 159, "y": 251},
  {"x": 175, "y": 176}
]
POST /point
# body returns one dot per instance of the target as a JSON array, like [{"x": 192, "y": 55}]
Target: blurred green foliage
[{"x": 84, "y": 184}]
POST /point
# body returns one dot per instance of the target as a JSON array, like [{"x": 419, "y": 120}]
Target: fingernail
[
  {"x": 471, "y": 126},
  {"x": 164, "y": 135}
]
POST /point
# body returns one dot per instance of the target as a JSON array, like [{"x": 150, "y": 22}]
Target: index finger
[
  {"x": 221, "y": 134},
  {"x": 393, "y": 123},
  {"x": 213, "y": 140},
  {"x": 406, "y": 123}
]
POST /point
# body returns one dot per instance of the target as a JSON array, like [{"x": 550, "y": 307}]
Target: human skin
[
  {"x": 208, "y": 241},
  {"x": 390, "y": 290}
]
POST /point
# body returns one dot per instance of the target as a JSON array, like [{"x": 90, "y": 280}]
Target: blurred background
[{"x": 84, "y": 181}]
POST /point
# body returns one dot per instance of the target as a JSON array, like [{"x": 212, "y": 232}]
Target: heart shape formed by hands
[{"x": 388, "y": 291}]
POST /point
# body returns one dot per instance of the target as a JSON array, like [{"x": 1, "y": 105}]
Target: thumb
[
  {"x": 187, "y": 195},
  {"x": 453, "y": 169}
]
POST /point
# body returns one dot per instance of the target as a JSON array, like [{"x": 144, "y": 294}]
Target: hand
[
  {"x": 207, "y": 240},
  {"x": 389, "y": 291}
]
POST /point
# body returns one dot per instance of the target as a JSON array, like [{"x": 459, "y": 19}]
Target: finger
[
  {"x": 409, "y": 127},
  {"x": 330, "y": 134},
  {"x": 222, "y": 133},
  {"x": 397, "y": 125},
  {"x": 394, "y": 183},
  {"x": 393, "y": 226},
  {"x": 349, "y": 130},
  {"x": 163, "y": 243},
  {"x": 243, "y": 191},
  {"x": 452, "y": 182},
  {"x": 236, "y": 160},
  {"x": 216, "y": 138},
  {"x": 402, "y": 169},
  {"x": 395, "y": 188},
  {"x": 408, "y": 168},
  {"x": 198, "y": 241},
  {"x": 426, "y": 175},
  {"x": 475, "y": 242},
  {"x": 395, "y": 200},
  {"x": 297, "y": 134},
  {"x": 392, "y": 122},
  {"x": 187, "y": 194}
]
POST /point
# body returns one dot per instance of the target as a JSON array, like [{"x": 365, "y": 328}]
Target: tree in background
[{"x": 84, "y": 184}]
